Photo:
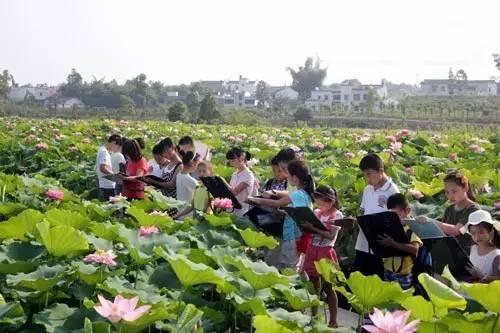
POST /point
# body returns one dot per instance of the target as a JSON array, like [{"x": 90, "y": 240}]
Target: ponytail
[
  {"x": 237, "y": 152},
  {"x": 299, "y": 169},
  {"x": 187, "y": 157}
]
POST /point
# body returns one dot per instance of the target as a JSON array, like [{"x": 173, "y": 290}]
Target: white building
[
  {"x": 69, "y": 103},
  {"x": 244, "y": 100},
  {"x": 286, "y": 93},
  {"x": 351, "y": 97},
  {"x": 459, "y": 88},
  {"x": 39, "y": 94}
]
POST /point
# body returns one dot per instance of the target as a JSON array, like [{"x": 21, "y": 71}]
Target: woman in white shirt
[
  {"x": 184, "y": 182},
  {"x": 243, "y": 183}
]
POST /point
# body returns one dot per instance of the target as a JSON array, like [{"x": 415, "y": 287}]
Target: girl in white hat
[{"x": 485, "y": 254}]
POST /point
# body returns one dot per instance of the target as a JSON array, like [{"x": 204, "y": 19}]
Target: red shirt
[{"x": 135, "y": 190}]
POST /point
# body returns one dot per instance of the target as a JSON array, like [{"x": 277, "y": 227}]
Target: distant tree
[
  {"x": 451, "y": 82},
  {"x": 138, "y": 89},
  {"x": 208, "y": 109},
  {"x": 308, "y": 77},
  {"x": 496, "y": 59},
  {"x": 351, "y": 82},
  {"x": 303, "y": 114},
  {"x": 371, "y": 100},
  {"x": 261, "y": 94},
  {"x": 126, "y": 102},
  {"x": 461, "y": 75},
  {"x": 193, "y": 105},
  {"x": 178, "y": 112},
  {"x": 73, "y": 86}
]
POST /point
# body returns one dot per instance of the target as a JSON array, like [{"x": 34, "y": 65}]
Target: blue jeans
[{"x": 106, "y": 193}]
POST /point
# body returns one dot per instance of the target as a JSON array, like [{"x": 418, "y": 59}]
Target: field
[{"x": 205, "y": 275}]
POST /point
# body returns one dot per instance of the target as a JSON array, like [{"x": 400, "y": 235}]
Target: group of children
[{"x": 178, "y": 168}]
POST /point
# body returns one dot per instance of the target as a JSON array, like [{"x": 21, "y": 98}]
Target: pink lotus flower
[
  {"x": 403, "y": 133},
  {"x": 391, "y": 322},
  {"x": 349, "y": 155},
  {"x": 117, "y": 198},
  {"x": 42, "y": 146},
  {"x": 416, "y": 194},
  {"x": 442, "y": 145},
  {"x": 121, "y": 309},
  {"x": 31, "y": 137},
  {"x": 223, "y": 203},
  {"x": 318, "y": 145},
  {"x": 86, "y": 140},
  {"x": 497, "y": 205},
  {"x": 453, "y": 157},
  {"x": 101, "y": 257},
  {"x": 476, "y": 148},
  {"x": 410, "y": 171},
  {"x": 271, "y": 144},
  {"x": 145, "y": 231},
  {"x": 295, "y": 148},
  {"x": 396, "y": 146},
  {"x": 390, "y": 138},
  {"x": 363, "y": 139},
  {"x": 55, "y": 195}
]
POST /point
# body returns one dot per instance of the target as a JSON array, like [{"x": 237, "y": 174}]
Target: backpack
[{"x": 422, "y": 263}]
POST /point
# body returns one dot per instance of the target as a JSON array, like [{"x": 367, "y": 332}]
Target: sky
[{"x": 183, "y": 41}]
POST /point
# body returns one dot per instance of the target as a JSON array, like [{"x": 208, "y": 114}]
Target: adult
[
  {"x": 118, "y": 165},
  {"x": 104, "y": 167},
  {"x": 186, "y": 143},
  {"x": 135, "y": 167}
]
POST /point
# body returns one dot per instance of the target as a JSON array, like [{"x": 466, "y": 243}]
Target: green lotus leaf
[
  {"x": 256, "y": 239},
  {"x": 157, "y": 313},
  {"x": 58, "y": 217},
  {"x": 17, "y": 227},
  {"x": 105, "y": 230},
  {"x": 191, "y": 274},
  {"x": 141, "y": 248},
  {"x": 8, "y": 209},
  {"x": 441, "y": 295},
  {"x": 471, "y": 323},
  {"x": 95, "y": 327},
  {"x": 163, "y": 202},
  {"x": 188, "y": 320},
  {"x": 330, "y": 271},
  {"x": 371, "y": 291},
  {"x": 149, "y": 220},
  {"x": 62, "y": 240},
  {"x": 488, "y": 295},
  {"x": 266, "y": 324},
  {"x": 61, "y": 318},
  {"x": 258, "y": 274},
  {"x": 420, "y": 308},
  {"x": 42, "y": 279},
  {"x": 116, "y": 285},
  {"x": 298, "y": 299},
  {"x": 99, "y": 243},
  {"x": 292, "y": 320},
  {"x": 220, "y": 220},
  {"x": 18, "y": 257},
  {"x": 12, "y": 316},
  {"x": 429, "y": 189},
  {"x": 90, "y": 274}
]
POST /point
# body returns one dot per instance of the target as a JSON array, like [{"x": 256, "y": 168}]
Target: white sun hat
[{"x": 480, "y": 216}]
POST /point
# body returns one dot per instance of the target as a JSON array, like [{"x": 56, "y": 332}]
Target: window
[
  {"x": 434, "y": 88},
  {"x": 41, "y": 94},
  {"x": 357, "y": 97},
  {"x": 337, "y": 97},
  {"x": 249, "y": 101},
  {"x": 228, "y": 101},
  {"x": 326, "y": 97},
  {"x": 346, "y": 97},
  {"x": 319, "y": 97},
  {"x": 365, "y": 97},
  {"x": 443, "y": 88}
]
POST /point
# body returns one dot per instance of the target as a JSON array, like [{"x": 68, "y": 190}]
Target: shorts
[
  {"x": 405, "y": 281},
  {"x": 316, "y": 253}
]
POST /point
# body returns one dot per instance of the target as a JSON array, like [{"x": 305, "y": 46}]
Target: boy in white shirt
[
  {"x": 105, "y": 168},
  {"x": 375, "y": 195}
]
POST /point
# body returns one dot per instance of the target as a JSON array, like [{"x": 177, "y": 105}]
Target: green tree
[
  {"x": 308, "y": 77},
  {"x": 193, "y": 105},
  {"x": 496, "y": 59},
  {"x": 73, "y": 86},
  {"x": 302, "y": 114},
  {"x": 371, "y": 100},
  {"x": 261, "y": 94},
  {"x": 138, "y": 88},
  {"x": 178, "y": 112},
  {"x": 208, "y": 109}
]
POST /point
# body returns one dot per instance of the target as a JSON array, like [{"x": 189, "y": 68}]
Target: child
[
  {"x": 118, "y": 165},
  {"x": 104, "y": 166},
  {"x": 242, "y": 183},
  {"x": 298, "y": 176},
  {"x": 399, "y": 269},
  {"x": 201, "y": 202},
  {"x": 170, "y": 170},
  {"x": 141, "y": 143},
  {"x": 279, "y": 181},
  {"x": 136, "y": 166},
  {"x": 322, "y": 245},
  {"x": 158, "y": 163},
  {"x": 485, "y": 254},
  {"x": 459, "y": 193},
  {"x": 375, "y": 195},
  {"x": 185, "y": 184}
]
